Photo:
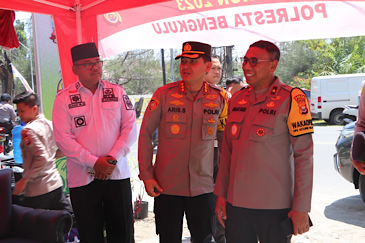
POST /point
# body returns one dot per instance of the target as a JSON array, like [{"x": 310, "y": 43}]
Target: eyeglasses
[
  {"x": 253, "y": 61},
  {"x": 90, "y": 65}
]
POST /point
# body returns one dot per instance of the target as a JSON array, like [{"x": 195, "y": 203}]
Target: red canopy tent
[
  {"x": 75, "y": 21},
  {"x": 121, "y": 25},
  {"x": 8, "y": 38}
]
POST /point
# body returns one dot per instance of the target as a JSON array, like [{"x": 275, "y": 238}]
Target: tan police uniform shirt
[
  {"x": 38, "y": 150},
  {"x": 267, "y": 154},
  {"x": 187, "y": 126}
]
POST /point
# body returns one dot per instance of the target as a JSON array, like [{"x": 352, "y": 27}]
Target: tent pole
[
  {"x": 92, "y": 4},
  {"x": 78, "y": 21},
  {"x": 54, "y": 4}
]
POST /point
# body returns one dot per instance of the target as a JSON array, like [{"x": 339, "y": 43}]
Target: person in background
[
  {"x": 7, "y": 113},
  {"x": 41, "y": 182},
  {"x": 95, "y": 127},
  {"x": 234, "y": 84},
  {"x": 213, "y": 77},
  {"x": 266, "y": 168},
  {"x": 189, "y": 115}
]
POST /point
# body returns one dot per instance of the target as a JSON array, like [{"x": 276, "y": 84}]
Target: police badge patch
[
  {"x": 108, "y": 95},
  {"x": 128, "y": 103},
  {"x": 76, "y": 101},
  {"x": 80, "y": 121}
]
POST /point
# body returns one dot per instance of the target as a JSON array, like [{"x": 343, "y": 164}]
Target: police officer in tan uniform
[
  {"x": 213, "y": 77},
  {"x": 266, "y": 167},
  {"x": 188, "y": 114}
]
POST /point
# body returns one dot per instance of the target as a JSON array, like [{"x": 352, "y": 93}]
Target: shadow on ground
[{"x": 349, "y": 210}]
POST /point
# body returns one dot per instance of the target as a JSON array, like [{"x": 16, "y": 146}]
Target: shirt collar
[{"x": 78, "y": 84}]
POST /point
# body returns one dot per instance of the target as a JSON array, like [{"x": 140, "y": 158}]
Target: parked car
[
  {"x": 329, "y": 95},
  {"x": 342, "y": 159}
]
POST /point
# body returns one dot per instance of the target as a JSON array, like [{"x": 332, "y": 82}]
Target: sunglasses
[
  {"x": 90, "y": 65},
  {"x": 253, "y": 61}
]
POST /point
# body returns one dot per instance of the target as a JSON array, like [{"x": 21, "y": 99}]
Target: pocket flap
[
  {"x": 264, "y": 120},
  {"x": 236, "y": 117},
  {"x": 77, "y": 111}
]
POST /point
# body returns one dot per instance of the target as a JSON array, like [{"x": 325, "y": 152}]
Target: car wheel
[
  {"x": 335, "y": 118},
  {"x": 362, "y": 187}
]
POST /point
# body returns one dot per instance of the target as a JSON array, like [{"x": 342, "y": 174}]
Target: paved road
[
  {"x": 335, "y": 201},
  {"x": 338, "y": 212}
]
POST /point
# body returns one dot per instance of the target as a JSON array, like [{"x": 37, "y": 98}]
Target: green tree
[
  {"x": 20, "y": 56},
  {"x": 338, "y": 55},
  {"x": 296, "y": 60},
  {"x": 138, "y": 71}
]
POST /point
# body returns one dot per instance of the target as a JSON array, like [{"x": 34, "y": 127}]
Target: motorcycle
[
  {"x": 349, "y": 114},
  {"x": 6, "y": 143}
]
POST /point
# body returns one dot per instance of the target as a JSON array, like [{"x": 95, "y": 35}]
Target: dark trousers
[
  {"x": 250, "y": 225},
  {"x": 104, "y": 202},
  {"x": 219, "y": 235},
  {"x": 199, "y": 210},
  {"x": 54, "y": 200}
]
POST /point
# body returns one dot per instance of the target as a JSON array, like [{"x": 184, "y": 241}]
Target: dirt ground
[{"x": 338, "y": 221}]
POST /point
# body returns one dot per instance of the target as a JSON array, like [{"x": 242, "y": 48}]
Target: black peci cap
[
  {"x": 83, "y": 51},
  {"x": 193, "y": 49},
  {"x": 358, "y": 147}
]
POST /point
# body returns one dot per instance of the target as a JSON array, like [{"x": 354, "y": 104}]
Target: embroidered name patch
[{"x": 176, "y": 109}]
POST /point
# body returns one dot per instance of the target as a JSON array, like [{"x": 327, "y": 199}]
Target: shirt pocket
[
  {"x": 209, "y": 126},
  {"x": 262, "y": 128},
  {"x": 78, "y": 117},
  {"x": 110, "y": 111},
  {"x": 175, "y": 125},
  {"x": 234, "y": 124}
]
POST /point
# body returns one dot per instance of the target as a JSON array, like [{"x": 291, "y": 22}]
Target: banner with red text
[{"x": 227, "y": 22}]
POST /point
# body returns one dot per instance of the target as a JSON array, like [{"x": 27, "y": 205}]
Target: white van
[{"x": 329, "y": 94}]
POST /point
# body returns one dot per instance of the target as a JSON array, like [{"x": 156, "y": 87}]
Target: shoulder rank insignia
[
  {"x": 205, "y": 87},
  {"x": 274, "y": 89},
  {"x": 299, "y": 120},
  {"x": 153, "y": 104},
  {"x": 177, "y": 95},
  {"x": 182, "y": 86},
  {"x": 25, "y": 136},
  {"x": 271, "y": 104},
  {"x": 249, "y": 90},
  {"x": 211, "y": 120},
  {"x": 211, "y": 104},
  {"x": 176, "y": 102},
  {"x": 211, "y": 96},
  {"x": 242, "y": 102},
  {"x": 276, "y": 98}
]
